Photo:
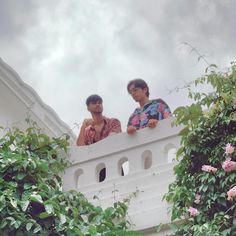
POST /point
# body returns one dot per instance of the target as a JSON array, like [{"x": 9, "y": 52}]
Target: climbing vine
[{"x": 203, "y": 196}]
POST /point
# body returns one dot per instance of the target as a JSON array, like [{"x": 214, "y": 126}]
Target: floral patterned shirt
[
  {"x": 111, "y": 125},
  {"x": 155, "y": 109}
]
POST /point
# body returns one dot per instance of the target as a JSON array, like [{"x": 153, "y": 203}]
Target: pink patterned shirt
[{"x": 111, "y": 125}]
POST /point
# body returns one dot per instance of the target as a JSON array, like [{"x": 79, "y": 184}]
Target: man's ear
[{"x": 88, "y": 108}]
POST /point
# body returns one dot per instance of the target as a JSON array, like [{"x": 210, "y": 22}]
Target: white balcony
[{"x": 147, "y": 163}]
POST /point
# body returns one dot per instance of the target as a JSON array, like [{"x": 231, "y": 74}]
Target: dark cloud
[{"x": 16, "y": 17}]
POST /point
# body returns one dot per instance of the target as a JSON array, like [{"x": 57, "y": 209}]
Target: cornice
[{"x": 32, "y": 101}]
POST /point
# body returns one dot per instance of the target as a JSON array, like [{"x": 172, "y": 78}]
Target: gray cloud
[
  {"x": 16, "y": 17},
  {"x": 68, "y": 50}
]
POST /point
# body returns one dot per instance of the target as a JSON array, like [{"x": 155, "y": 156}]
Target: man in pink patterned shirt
[{"x": 99, "y": 127}]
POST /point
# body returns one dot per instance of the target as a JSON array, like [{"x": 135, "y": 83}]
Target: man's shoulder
[
  {"x": 162, "y": 106},
  {"x": 158, "y": 100},
  {"x": 136, "y": 111}
]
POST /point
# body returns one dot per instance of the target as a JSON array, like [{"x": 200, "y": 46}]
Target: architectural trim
[{"x": 32, "y": 102}]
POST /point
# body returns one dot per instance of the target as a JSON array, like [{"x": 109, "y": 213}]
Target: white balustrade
[{"x": 141, "y": 162}]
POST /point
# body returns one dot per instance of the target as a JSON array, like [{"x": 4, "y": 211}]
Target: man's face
[
  {"x": 137, "y": 93},
  {"x": 95, "y": 107}
]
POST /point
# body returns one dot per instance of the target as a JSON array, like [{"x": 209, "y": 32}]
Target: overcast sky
[{"x": 67, "y": 50}]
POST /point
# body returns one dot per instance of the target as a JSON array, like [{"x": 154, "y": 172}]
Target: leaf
[
  {"x": 17, "y": 224},
  {"x": 43, "y": 166},
  {"x": 10, "y": 218},
  {"x": 3, "y": 224},
  {"x": 29, "y": 226},
  {"x": 37, "y": 229},
  {"x": 13, "y": 202},
  {"x": 36, "y": 198},
  {"x": 49, "y": 208},
  {"x": 225, "y": 232},
  {"x": 24, "y": 205},
  {"x": 213, "y": 65},
  {"x": 27, "y": 186},
  {"x": 92, "y": 230},
  {"x": 20, "y": 176},
  {"x": 184, "y": 131},
  {"x": 159, "y": 228},
  {"x": 44, "y": 215},
  {"x": 62, "y": 218}
]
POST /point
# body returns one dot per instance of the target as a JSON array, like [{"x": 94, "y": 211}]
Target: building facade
[
  {"x": 138, "y": 167},
  {"x": 18, "y": 101}
]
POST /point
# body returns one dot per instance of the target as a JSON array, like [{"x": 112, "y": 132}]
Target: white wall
[{"x": 17, "y": 99}]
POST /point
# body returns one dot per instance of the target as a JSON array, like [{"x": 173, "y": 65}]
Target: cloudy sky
[{"x": 67, "y": 50}]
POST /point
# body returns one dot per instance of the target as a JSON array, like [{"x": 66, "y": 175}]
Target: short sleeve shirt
[
  {"x": 155, "y": 109},
  {"x": 111, "y": 125}
]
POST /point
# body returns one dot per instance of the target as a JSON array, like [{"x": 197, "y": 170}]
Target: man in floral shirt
[
  {"x": 149, "y": 111},
  {"x": 99, "y": 127}
]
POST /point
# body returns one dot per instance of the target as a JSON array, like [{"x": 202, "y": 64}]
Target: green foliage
[
  {"x": 209, "y": 125},
  {"x": 31, "y": 198}
]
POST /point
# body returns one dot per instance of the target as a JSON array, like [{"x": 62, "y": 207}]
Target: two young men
[{"x": 146, "y": 115}]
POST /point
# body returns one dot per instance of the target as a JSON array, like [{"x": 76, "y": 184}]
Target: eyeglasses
[{"x": 134, "y": 90}]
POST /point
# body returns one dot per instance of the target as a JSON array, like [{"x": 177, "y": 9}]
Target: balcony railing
[{"x": 121, "y": 164}]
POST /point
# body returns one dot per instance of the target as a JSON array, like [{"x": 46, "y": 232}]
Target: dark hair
[
  {"x": 93, "y": 98},
  {"x": 138, "y": 83}
]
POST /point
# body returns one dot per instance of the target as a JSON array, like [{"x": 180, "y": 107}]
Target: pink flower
[
  {"x": 229, "y": 149},
  {"x": 234, "y": 101},
  {"x": 197, "y": 198},
  {"x": 193, "y": 211},
  {"x": 229, "y": 165},
  {"x": 231, "y": 193},
  {"x": 209, "y": 168}
]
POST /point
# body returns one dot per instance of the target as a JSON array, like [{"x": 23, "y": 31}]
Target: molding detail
[{"x": 31, "y": 102}]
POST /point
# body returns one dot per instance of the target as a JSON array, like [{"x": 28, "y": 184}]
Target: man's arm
[
  {"x": 130, "y": 128},
  {"x": 115, "y": 127},
  {"x": 81, "y": 140},
  {"x": 165, "y": 110},
  {"x": 152, "y": 123}
]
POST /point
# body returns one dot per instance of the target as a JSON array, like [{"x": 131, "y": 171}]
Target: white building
[
  {"x": 146, "y": 157},
  {"x": 18, "y": 100}
]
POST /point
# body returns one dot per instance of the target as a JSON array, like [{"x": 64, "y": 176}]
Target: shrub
[
  {"x": 31, "y": 198},
  {"x": 203, "y": 196}
]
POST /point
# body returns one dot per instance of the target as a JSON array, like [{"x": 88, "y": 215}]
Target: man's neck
[
  {"x": 143, "y": 102},
  {"x": 97, "y": 119}
]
